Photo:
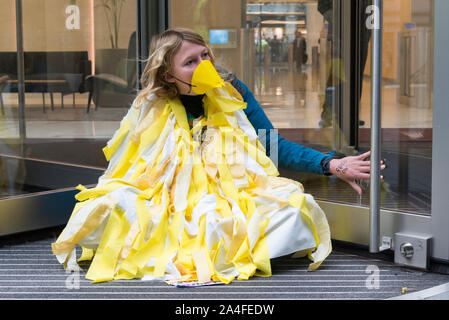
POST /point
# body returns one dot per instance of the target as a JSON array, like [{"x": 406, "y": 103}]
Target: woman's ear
[{"x": 168, "y": 77}]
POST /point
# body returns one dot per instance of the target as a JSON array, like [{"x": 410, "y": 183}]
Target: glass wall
[
  {"x": 79, "y": 77},
  {"x": 308, "y": 65},
  {"x": 306, "y": 62}
]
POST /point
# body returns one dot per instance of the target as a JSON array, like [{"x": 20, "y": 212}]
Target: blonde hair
[{"x": 162, "y": 50}]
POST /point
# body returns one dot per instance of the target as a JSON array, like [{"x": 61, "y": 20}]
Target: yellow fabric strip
[
  {"x": 219, "y": 250},
  {"x": 93, "y": 220},
  {"x": 173, "y": 235},
  {"x": 127, "y": 270},
  {"x": 153, "y": 113},
  {"x": 86, "y": 255},
  {"x": 246, "y": 270},
  {"x": 146, "y": 181},
  {"x": 243, "y": 261},
  {"x": 180, "y": 114},
  {"x": 261, "y": 254},
  {"x": 105, "y": 260},
  {"x": 226, "y": 181},
  {"x": 154, "y": 247},
  {"x": 263, "y": 194},
  {"x": 225, "y": 104},
  {"x": 128, "y": 242},
  {"x": 150, "y": 192},
  {"x": 233, "y": 92},
  {"x": 143, "y": 214},
  {"x": 299, "y": 202},
  {"x": 100, "y": 190},
  {"x": 125, "y": 162},
  {"x": 218, "y": 119},
  {"x": 198, "y": 126},
  {"x": 200, "y": 254},
  {"x": 256, "y": 153},
  {"x": 182, "y": 185},
  {"x": 137, "y": 144},
  {"x": 198, "y": 185},
  {"x": 223, "y": 207},
  {"x": 247, "y": 204},
  {"x": 80, "y": 187},
  {"x": 138, "y": 171},
  {"x": 154, "y": 131},
  {"x": 109, "y": 150},
  {"x": 318, "y": 224},
  {"x": 202, "y": 266},
  {"x": 238, "y": 237}
]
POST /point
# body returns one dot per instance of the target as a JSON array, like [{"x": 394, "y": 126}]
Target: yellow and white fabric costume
[{"x": 182, "y": 204}]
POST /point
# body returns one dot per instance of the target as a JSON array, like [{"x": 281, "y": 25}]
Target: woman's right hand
[{"x": 353, "y": 168}]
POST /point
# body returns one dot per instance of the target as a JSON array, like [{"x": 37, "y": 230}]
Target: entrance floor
[{"x": 28, "y": 270}]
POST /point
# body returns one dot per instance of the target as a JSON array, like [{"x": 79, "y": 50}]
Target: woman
[{"x": 189, "y": 193}]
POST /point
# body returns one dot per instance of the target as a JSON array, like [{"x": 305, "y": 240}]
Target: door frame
[{"x": 440, "y": 139}]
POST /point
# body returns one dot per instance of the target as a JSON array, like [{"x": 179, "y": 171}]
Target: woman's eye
[{"x": 205, "y": 54}]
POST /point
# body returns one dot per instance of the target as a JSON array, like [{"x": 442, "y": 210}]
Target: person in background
[{"x": 299, "y": 51}]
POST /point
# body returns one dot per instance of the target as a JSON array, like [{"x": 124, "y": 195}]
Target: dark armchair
[
  {"x": 46, "y": 71},
  {"x": 115, "y": 86}
]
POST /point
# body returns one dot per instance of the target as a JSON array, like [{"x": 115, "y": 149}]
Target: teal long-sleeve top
[{"x": 291, "y": 156}]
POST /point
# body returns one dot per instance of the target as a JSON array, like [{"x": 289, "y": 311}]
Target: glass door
[{"x": 68, "y": 75}]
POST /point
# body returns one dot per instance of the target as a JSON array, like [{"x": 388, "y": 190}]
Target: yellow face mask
[{"x": 205, "y": 78}]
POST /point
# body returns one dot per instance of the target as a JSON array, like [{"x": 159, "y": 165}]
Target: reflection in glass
[
  {"x": 80, "y": 77},
  {"x": 308, "y": 65},
  {"x": 306, "y": 112},
  {"x": 408, "y": 106}
]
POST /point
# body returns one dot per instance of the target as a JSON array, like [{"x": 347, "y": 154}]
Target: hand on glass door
[{"x": 353, "y": 168}]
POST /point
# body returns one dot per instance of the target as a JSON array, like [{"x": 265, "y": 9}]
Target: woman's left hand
[{"x": 353, "y": 168}]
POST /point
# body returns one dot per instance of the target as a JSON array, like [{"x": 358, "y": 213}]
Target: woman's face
[{"x": 184, "y": 63}]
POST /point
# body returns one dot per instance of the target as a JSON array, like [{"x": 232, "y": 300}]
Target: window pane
[
  {"x": 407, "y": 104},
  {"x": 317, "y": 91},
  {"x": 79, "y": 75}
]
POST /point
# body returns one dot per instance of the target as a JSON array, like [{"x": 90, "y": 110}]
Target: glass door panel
[
  {"x": 11, "y": 165},
  {"x": 407, "y": 106},
  {"x": 307, "y": 82},
  {"x": 80, "y": 77},
  {"x": 308, "y": 65}
]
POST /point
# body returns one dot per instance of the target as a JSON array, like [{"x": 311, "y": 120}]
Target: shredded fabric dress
[{"x": 190, "y": 203}]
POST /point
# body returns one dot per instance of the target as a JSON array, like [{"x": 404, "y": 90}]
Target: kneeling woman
[{"x": 189, "y": 193}]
